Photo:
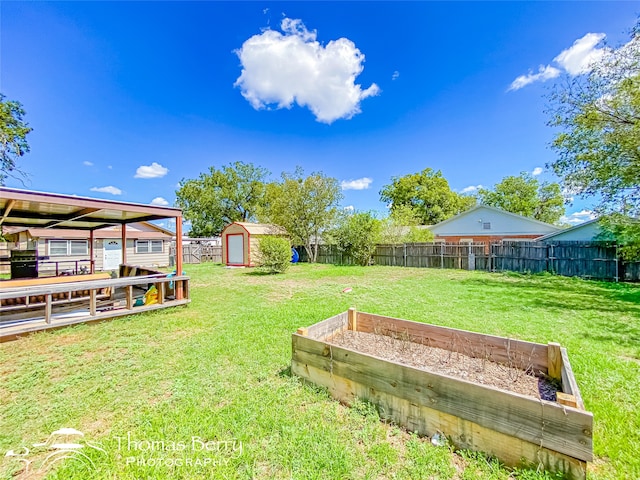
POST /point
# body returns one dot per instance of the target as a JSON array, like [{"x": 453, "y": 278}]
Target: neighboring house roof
[
  {"x": 260, "y": 228},
  {"x": 501, "y": 223},
  {"x": 139, "y": 230},
  {"x": 584, "y": 232}
]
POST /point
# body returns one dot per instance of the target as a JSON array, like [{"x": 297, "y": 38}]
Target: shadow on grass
[
  {"x": 616, "y": 301},
  {"x": 260, "y": 273},
  {"x": 566, "y": 293}
]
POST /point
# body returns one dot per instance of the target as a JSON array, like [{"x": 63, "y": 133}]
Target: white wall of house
[
  {"x": 483, "y": 220},
  {"x": 581, "y": 233},
  {"x": 148, "y": 258},
  {"x": 137, "y": 254}
]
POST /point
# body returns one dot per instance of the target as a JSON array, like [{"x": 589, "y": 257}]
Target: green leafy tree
[
  {"x": 597, "y": 115},
  {"x": 525, "y": 196},
  {"x": 403, "y": 226},
  {"x": 428, "y": 194},
  {"x": 213, "y": 200},
  {"x": 13, "y": 138},
  {"x": 275, "y": 254},
  {"x": 305, "y": 206},
  {"x": 357, "y": 236}
]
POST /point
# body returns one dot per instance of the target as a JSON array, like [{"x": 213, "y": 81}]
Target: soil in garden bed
[{"x": 448, "y": 362}]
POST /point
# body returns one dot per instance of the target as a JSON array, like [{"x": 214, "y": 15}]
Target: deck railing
[{"x": 24, "y": 306}]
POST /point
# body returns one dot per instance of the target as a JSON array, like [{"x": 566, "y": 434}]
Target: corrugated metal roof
[{"x": 25, "y": 208}]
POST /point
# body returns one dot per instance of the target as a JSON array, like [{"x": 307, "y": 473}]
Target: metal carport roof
[{"x": 24, "y": 208}]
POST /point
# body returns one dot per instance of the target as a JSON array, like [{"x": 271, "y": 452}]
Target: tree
[
  {"x": 598, "y": 117},
  {"x": 232, "y": 194},
  {"x": 357, "y": 236},
  {"x": 525, "y": 196},
  {"x": 428, "y": 194},
  {"x": 403, "y": 226},
  {"x": 13, "y": 138},
  {"x": 305, "y": 206}
]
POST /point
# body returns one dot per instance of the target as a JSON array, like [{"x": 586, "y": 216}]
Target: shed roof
[
  {"x": 261, "y": 228},
  {"x": 25, "y": 208}
]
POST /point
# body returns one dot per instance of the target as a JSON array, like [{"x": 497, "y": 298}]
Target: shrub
[{"x": 275, "y": 254}]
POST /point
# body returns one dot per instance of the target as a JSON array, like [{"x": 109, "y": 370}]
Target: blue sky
[{"x": 126, "y": 99}]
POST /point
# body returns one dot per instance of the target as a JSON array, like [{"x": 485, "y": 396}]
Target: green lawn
[{"x": 217, "y": 370}]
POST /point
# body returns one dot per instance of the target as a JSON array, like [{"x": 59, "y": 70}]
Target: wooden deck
[{"x": 29, "y": 309}]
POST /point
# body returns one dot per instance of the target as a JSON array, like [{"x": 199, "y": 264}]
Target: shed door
[
  {"x": 235, "y": 249},
  {"x": 112, "y": 255}
]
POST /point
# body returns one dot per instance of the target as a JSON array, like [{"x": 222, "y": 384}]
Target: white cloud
[
  {"x": 574, "y": 60},
  {"x": 544, "y": 73},
  {"x": 159, "y": 201},
  {"x": 349, "y": 208},
  {"x": 110, "y": 167},
  {"x": 577, "y": 218},
  {"x": 578, "y": 58},
  {"x": 87, "y": 163},
  {"x": 537, "y": 171},
  {"x": 155, "y": 170},
  {"x": 109, "y": 189},
  {"x": 471, "y": 189},
  {"x": 395, "y": 75},
  {"x": 293, "y": 67},
  {"x": 359, "y": 184}
]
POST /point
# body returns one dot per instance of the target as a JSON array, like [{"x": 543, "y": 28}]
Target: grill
[{"x": 24, "y": 264}]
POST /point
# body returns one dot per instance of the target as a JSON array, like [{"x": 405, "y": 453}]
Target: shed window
[
  {"x": 59, "y": 248},
  {"x": 486, "y": 225},
  {"x": 149, "y": 246}
]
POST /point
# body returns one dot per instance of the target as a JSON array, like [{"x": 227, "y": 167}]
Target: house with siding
[
  {"x": 484, "y": 224},
  {"x": 67, "y": 250},
  {"x": 589, "y": 231}
]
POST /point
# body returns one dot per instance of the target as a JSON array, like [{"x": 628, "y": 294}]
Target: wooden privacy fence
[
  {"x": 199, "y": 253},
  {"x": 596, "y": 260},
  {"x": 426, "y": 255}
]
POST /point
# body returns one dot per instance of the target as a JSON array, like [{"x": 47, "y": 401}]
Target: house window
[
  {"x": 59, "y": 248},
  {"x": 486, "y": 225},
  {"x": 149, "y": 246}
]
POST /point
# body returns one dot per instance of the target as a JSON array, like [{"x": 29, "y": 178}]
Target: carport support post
[
  {"x": 179, "y": 292},
  {"x": 124, "y": 243},
  {"x": 92, "y": 263}
]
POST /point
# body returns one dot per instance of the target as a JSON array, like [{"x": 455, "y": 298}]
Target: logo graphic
[{"x": 63, "y": 444}]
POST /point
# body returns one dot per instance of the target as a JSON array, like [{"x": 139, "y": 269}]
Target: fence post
[{"x": 404, "y": 255}]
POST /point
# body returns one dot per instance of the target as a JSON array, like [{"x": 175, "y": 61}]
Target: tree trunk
[{"x": 307, "y": 247}]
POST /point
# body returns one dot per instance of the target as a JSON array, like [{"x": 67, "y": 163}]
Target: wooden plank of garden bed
[
  {"x": 569, "y": 384},
  {"x": 563, "y": 429},
  {"x": 516, "y": 353},
  {"x": 427, "y": 421},
  {"x": 329, "y": 327}
]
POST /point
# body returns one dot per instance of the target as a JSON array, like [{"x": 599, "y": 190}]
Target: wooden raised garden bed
[{"x": 550, "y": 428}]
